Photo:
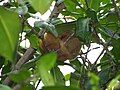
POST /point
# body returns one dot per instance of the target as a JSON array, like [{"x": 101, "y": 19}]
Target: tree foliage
[{"x": 57, "y": 39}]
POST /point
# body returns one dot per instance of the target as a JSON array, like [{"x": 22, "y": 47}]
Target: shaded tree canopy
[{"x": 72, "y": 27}]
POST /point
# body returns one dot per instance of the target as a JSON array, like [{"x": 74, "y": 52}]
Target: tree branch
[{"x": 30, "y": 51}]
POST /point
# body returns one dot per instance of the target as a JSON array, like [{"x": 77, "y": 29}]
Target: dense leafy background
[{"x": 92, "y": 21}]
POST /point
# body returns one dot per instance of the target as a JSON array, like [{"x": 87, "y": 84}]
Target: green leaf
[
  {"x": 77, "y": 65},
  {"x": 116, "y": 48},
  {"x": 94, "y": 80},
  {"x": 82, "y": 29},
  {"x": 30, "y": 64},
  {"x": 6, "y": 69},
  {"x": 34, "y": 41},
  {"x": 92, "y": 14},
  {"x": 107, "y": 33},
  {"x": 69, "y": 26},
  {"x": 46, "y": 77},
  {"x": 104, "y": 76},
  {"x": 20, "y": 76},
  {"x": 22, "y": 10},
  {"x": 106, "y": 1},
  {"x": 44, "y": 64},
  {"x": 56, "y": 21},
  {"x": 112, "y": 17},
  {"x": 94, "y": 4},
  {"x": 114, "y": 83},
  {"x": 41, "y": 5},
  {"x": 70, "y": 6},
  {"x": 27, "y": 87},
  {"x": 48, "y": 26},
  {"x": 4, "y": 87},
  {"x": 75, "y": 80},
  {"x": 58, "y": 76},
  {"x": 104, "y": 62},
  {"x": 67, "y": 77},
  {"x": 47, "y": 61},
  {"x": 60, "y": 88},
  {"x": 1, "y": 62},
  {"x": 51, "y": 28},
  {"x": 9, "y": 32},
  {"x": 82, "y": 2},
  {"x": 31, "y": 9}
]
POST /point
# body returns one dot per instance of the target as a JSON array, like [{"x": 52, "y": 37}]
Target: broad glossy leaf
[
  {"x": 41, "y": 5},
  {"x": 82, "y": 29},
  {"x": 49, "y": 27},
  {"x": 60, "y": 88},
  {"x": 56, "y": 21},
  {"x": 47, "y": 61},
  {"x": 44, "y": 64},
  {"x": 9, "y": 31},
  {"x": 4, "y": 87},
  {"x": 46, "y": 77}
]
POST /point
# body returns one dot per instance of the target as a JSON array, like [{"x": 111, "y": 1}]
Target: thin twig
[
  {"x": 90, "y": 50},
  {"x": 37, "y": 84},
  {"x": 102, "y": 52},
  {"x": 105, "y": 47},
  {"x": 86, "y": 55},
  {"x": 84, "y": 61}
]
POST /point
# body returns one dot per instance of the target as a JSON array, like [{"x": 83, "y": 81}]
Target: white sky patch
[
  {"x": 93, "y": 54},
  {"x": 5, "y": 1},
  {"x": 25, "y": 42},
  {"x": 65, "y": 69}
]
